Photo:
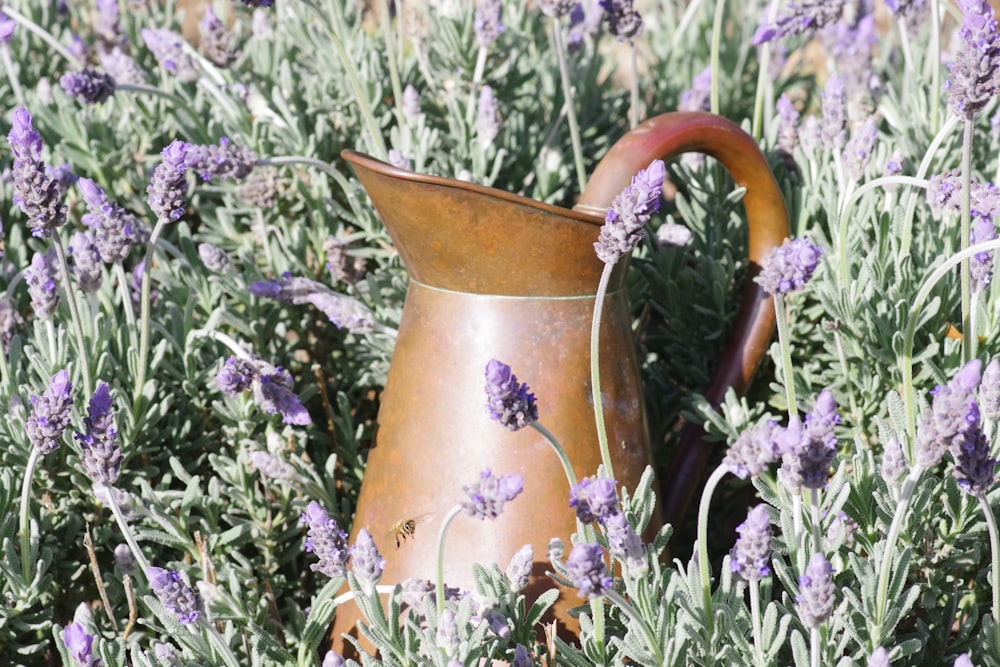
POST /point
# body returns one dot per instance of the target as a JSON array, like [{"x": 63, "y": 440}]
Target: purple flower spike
[
  {"x": 50, "y": 414},
  {"x": 214, "y": 258},
  {"x": 893, "y": 463},
  {"x": 88, "y": 85},
  {"x": 216, "y": 41},
  {"x": 749, "y": 557},
  {"x": 629, "y": 212},
  {"x": 102, "y": 457},
  {"x": 487, "y": 117},
  {"x": 326, "y": 540},
  {"x": 951, "y": 418},
  {"x": 168, "y": 49},
  {"x": 332, "y": 659},
  {"x": 486, "y": 497},
  {"x": 790, "y": 266},
  {"x": 834, "y": 124},
  {"x": 816, "y": 591},
  {"x": 556, "y": 8},
  {"x": 624, "y": 543},
  {"x": 859, "y": 150},
  {"x": 122, "y": 67},
  {"x": 179, "y": 599},
  {"x": 974, "y": 75},
  {"x": 41, "y": 279},
  {"x": 808, "y": 450},
  {"x": 586, "y": 569},
  {"x": 696, "y": 98},
  {"x": 754, "y": 450},
  {"x": 623, "y": 21},
  {"x": 788, "y": 118},
  {"x": 114, "y": 228},
  {"x": 981, "y": 264},
  {"x": 963, "y": 661},
  {"x": 508, "y": 401},
  {"x": 975, "y": 469},
  {"x": 366, "y": 562},
  {"x": 7, "y": 26},
  {"x": 594, "y": 499},
  {"x": 989, "y": 391},
  {"x": 236, "y": 376},
  {"x": 519, "y": 571},
  {"x": 343, "y": 311},
  {"x": 273, "y": 392},
  {"x": 227, "y": 161},
  {"x": 79, "y": 644},
  {"x": 800, "y": 18},
  {"x": 35, "y": 193},
  {"x": 880, "y": 656},
  {"x": 487, "y": 23},
  {"x": 167, "y": 185},
  {"x": 86, "y": 261},
  {"x": 521, "y": 657}
]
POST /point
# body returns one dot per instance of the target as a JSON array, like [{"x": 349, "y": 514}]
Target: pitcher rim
[{"x": 383, "y": 167}]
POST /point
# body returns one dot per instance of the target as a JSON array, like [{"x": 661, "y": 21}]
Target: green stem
[
  {"x": 815, "y": 643},
  {"x": 126, "y": 299},
  {"x": 595, "y": 369},
  {"x": 574, "y": 129},
  {"x": 558, "y": 449},
  {"x": 390, "y": 54},
  {"x": 46, "y": 37},
  {"x": 15, "y": 83},
  {"x": 816, "y": 525},
  {"x": 442, "y": 534},
  {"x": 991, "y": 524},
  {"x": 904, "y": 43},
  {"x": 885, "y": 568},
  {"x": 140, "y": 370},
  {"x": 633, "y": 107},
  {"x": 968, "y": 340},
  {"x": 704, "y": 567},
  {"x": 758, "y": 650},
  {"x": 784, "y": 344},
  {"x": 116, "y": 510},
  {"x": 74, "y": 315},
  {"x": 935, "y": 58},
  {"x": 851, "y": 399},
  {"x": 763, "y": 78},
  {"x": 925, "y": 164},
  {"x": 29, "y": 473},
  {"x": 720, "y": 8},
  {"x": 637, "y": 619}
]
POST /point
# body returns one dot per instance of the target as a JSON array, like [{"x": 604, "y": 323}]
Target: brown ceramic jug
[{"x": 496, "y": 275}]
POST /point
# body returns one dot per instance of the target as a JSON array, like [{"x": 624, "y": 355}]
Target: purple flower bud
[
  {"x": 944, "y": 192},
  {"x": 447, "y": 632},
  {"x": 508, "y": 402},
  {"x": 227, "y": 161},
  {"x": 963, "y": 661},
  {"x": 893, "y": 463},
  {"x": 79, "y": 644},
  {"x": 893, "y": 165},
  {"x": 594, "y": 499},
  {"x": 487, "y": 117},
  {"x": 811, "y": 135},
  {"x": 629, "y": 212},
  {"x": 411, "y": 102},
  {"x": 623, "y": 21},
  {"x": 816, "y": 591},
  {"x": 35, "y": 193},
  {"x": 556, "y": 8},
  {"x": 800, "y": 18},
  {"x": 834, "y": 127},
  {"x": 586, "y": 569},
  {"x": 519, "y": 571},
  {"x": 271, "y": 466},
  {"x": 754, "y": 450},
  {"x": 332, "y": 659},
  {"x": 102, "y": 457},
  {"x": 114, "y": 228},
  {"x": 486, "y": 497},
  {"x": 498, "y": 623},
  {"x": 88, "y": 85},
  {"x": 214, "y": 258},
  {"x": 398, "y": 160},
  {"x": 981, "y": 264},
  {"x": 974, "y": 468},
  {"x": 86, "y": 261},
  {"x": 521, "y": 657},
  {"x": 7, "y": 26},
  {"x": 974, "y": 74},
  {"x": 50, "y": 414},
  {"x": 859, "y": 149},
  {"x": 236, "y": 376},
  {"x": 343, "y": 311},
  {"x": 216, "y": 41},
  {"x": 880, "y": 656},
  {"x": 696, "y": 98},
  {"x": 788, "y": 118},
  {"x": 167, "y": 185},
  {"x": 260, "y": 189},
  {"x": 168, "y": 49},
  {"x": 122, "y": 67},
  {"x": 273, "y": 392},
  {"x": 326, "y": 540},
  {"x": 179, "y": 599},
  {"x": 125, "y": 559},
  {"x": 790, "y": 266},
  {"x": 10, "y": 320},
  {"x": 41, "y": 279},
  {"x": 841, "y": 531},
  {"x": 366, "y": 562},
  {"x": 989, "y": 391},
  {"x": 624, "y": 543},
  {"x": 752, "y": 551},
  {"x": 808, "y": 450},
  {"x": 951, "y": 417},
  {"x": 672, "y": 234},
  {"x": 487, "y": 22}
]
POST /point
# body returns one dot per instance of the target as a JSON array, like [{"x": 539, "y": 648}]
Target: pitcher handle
[{"x": 664, "y": 137}]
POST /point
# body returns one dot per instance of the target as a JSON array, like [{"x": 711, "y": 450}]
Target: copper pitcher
[{"x": 497, "y": 275}]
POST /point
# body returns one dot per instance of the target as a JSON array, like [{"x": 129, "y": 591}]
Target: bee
[{"x": 405, "y": 528}]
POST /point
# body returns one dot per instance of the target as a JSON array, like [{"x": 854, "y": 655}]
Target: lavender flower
[
  {"x": 508, "y": 401},
  {"x": 342, "y": 310},
  {"x": 398, "y": 160},
  {"x": 989, "y": 391},
  {"x": 168, "y": 49},
  {"x": 487, "y": 117},
  {"x": 216, "y": 41},
  {"x": 974, "y": 75},
  {"x": 624, "y": 543},
  {"x": 487, "y": 22},
  {"x": 332, "y": 659},
  {"x": 981, "y": 264},
  {"x": 411, "y": 102},
  {"x": 167, "y": 185},
  {"x": 594, "y": 499},
  {"x": 7, "y": 26},
  {"x": 106, "y": 22},
  {"x": 902, "y": 8},
  {"x": 859, "y": 149},
  {"x": 811, "y": 135},
  {"x": 125, "y": 559},
  {"x": 273, "y": 392},
  {"x": 179, "y": 599},
  {"x": 498, "y": 623},
  {"x": 754, "y": 450},
  {"x": 260, "y": 189},
  {"x": 79, "y": 644},
  {"x": 974, "y": 468},
  {"x": 673, "y": 234},
  {"x": 521, "y": 657},
  {"x": 952, "y": 415},
  {"x": 788, "y": 118},
  {"x": 584, "y": 23},
  {"x": 236, "y": 376},
  {"x": 841, "y": 531},
  {"x": 447, "y": 632},
  {"x": 629, "y": 212},
  {"x": 214, "y": 258},
  {"x": 851, "y": 44},
  {"x": 894, "y": 164},
  {"x": 102, "y": 457},
  {"x": 556, "y": 8},
  {"x": 227, "y": 161},
  {"x": 623, "y": 21},
  {"x": 35, "y": 194},
  {"x": 63, "y": 175},
  {"x": 944, "y": 192},
  {"x": 258, "y": 3},
  {"x": 41, "y": 278},
  {"x": 752, "y": 551},
  {"x": 486, "y": 497},
  {"x": 10, "y": 320},
  {"x": 696, "y": 98},
  {"x": 519, "y": 571},
  {"x": 834, "y": 124},
  {"x": 586, "y": 569},
  {"x": 893, "y": 463},
  {"x": 122, "y": 67},
  {"x": 815, "y": 598},
  {"x": 88, "y": 85},
  {"x": 800, "y": 18},
  {"x": 808, "y": 450},
  {"x": 789, "y": 267},
  {"x": 880, "y": 656},
  {"x": 344, "y": 267},
  {"x": 366, "y": 562},
  {"x": 326, "y": 540},
  {"x": 86, "y": 261}
]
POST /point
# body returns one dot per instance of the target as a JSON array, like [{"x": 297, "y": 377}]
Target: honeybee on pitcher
[{"x": 405, "y": 528}]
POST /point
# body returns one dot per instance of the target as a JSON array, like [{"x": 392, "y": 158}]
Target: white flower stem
[
  {"x": 595, "y": 369},
  {"x": 558, "y": 449},
  {"x": 885, "y": 568},
  {"x": 784, "y": 339},
  {"x": 720, "y": 10},
  {"x": 144, "y": 307},
  {"x": 758, "y": 651},
  {"x": 704, "y": 567},
  {"x": 74, "y": 314},
  {"x": 126, "y": 298},
  {"x": 906, "y": 235},
  {"x": 116, "y": 510},
  {"x": 15, "y": 84},
  {"x": 442, "y": 534},
  {"x": 567, "y": 85},
  {"x": 29, "y": 473},
  {"x": 815, "y": 644},
  {"x": 991, "y": 525},
  {"x": 633, "y": 107},
  {"x": 968, "y": 339},
  {"x": 46, "y": 36},
  {"x": 816, "y": 525}
]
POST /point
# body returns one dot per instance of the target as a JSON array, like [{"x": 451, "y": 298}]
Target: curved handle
[{"x": 664, "y": 137}]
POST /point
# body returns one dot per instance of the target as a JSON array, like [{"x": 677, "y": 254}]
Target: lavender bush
[{"x": 199, "y": 307}]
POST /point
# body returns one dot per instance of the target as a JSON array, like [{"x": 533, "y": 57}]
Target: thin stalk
[
  {"x": 442, "y": 534},
  {"x": 885, "y": 568},
  {"x": 815, "y": 643},
  {"x": 935, "y": 59},
  {"x": 29, "y": 473},
  {"x": 991, "y": 525},
  {"x": 126, "y": 298},
  {"x": 390, "y": 54},
  {"x": 703, "y": 563},
  {"x": 815, "y": 523},
  {"x": 140, "y": 369},
  {"x": 633, "y": 107},
  {"x": 758, "y": 651},
  {"x": 784, "y": 345},
  {"x": 925, "y": 164},
  {"x": 46, "y": 37},
  {"x": 116, "y": 510},
  {"x": 595, "y": 369},
  {"x": 720, "y": 8},
  {"x": 851, "y": 400},
  {"x": 574, "y": 129},
  {"x": 637, "y": 619},
  {"x": 763, "y": 77},
  {"x": 74, "y": 314},
  {"x": 558, "y": 449},
  {"x": 968, "y": 340},
  {"x": 15, "y": 83}
]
